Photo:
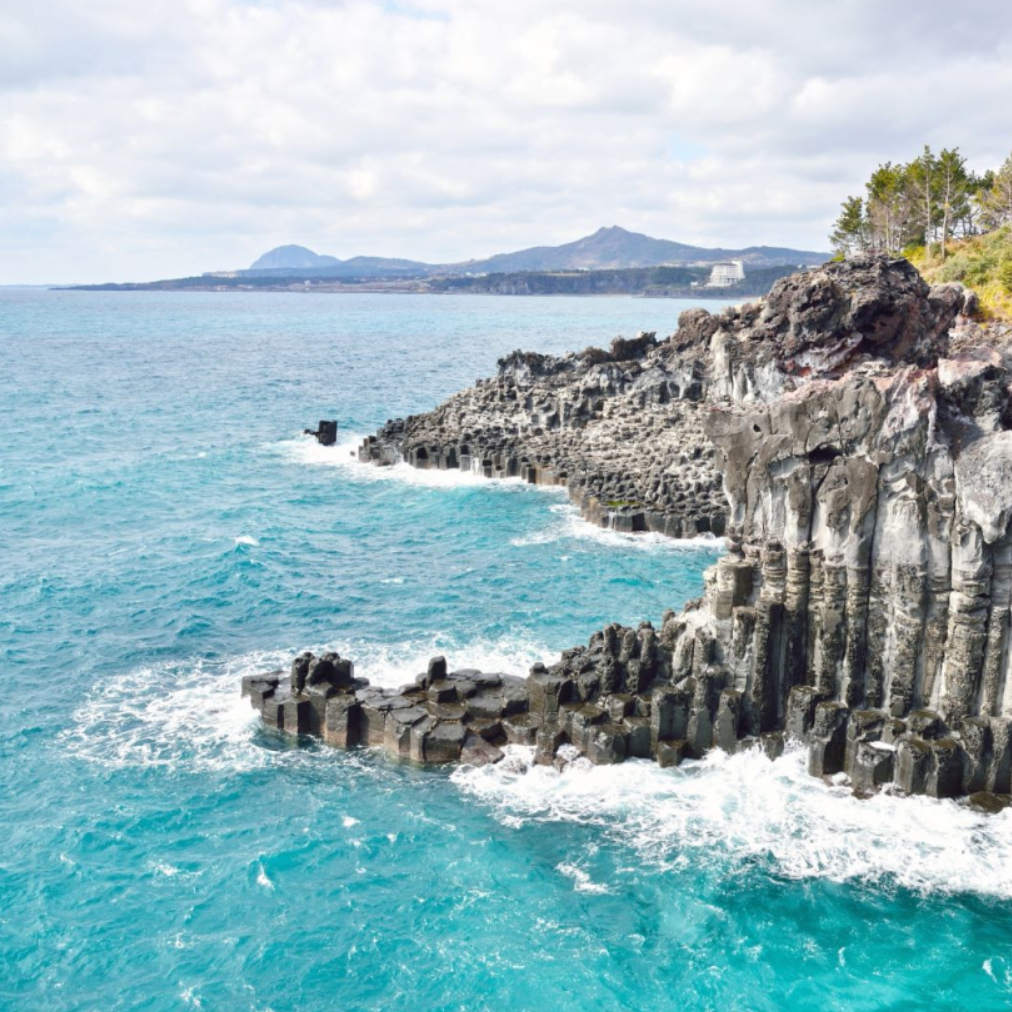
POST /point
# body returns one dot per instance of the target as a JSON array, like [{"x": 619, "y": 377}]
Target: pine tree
[
  {"x": 850, "y": 232},
  {"x": 996, "y": 204},
  {"x": 933, "y": 199},
  {"x": 889, "y": 208},
  {"x": 922, "y": 173},
  {"x": 973, "y": 221},
  {"x": 953, "y": 188}
]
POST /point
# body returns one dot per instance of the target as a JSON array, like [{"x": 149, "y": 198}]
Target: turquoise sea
[{"x": 164, "y": 530}]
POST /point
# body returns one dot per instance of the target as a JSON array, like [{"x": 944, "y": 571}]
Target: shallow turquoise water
[{"x": 164, "y": 530}]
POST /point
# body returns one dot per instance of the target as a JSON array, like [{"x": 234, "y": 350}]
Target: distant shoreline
[
  {"x": 637, "y": 282},
  {"x": 711, "y": 294}
]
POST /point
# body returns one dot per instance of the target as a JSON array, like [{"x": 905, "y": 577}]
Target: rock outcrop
[
  {"x": 862, "y": 427},
  {"x": 622, "y": 429},
  {"x": 443, "y": 716}
]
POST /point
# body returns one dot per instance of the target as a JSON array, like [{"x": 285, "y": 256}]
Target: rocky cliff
[{"x": 852, "y": 437}]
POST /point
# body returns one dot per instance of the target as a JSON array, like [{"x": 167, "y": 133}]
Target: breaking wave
[
  {"x": 730, "y": 810},
  {"x": 305, "y": 450},
  {"x": 566, "y": 523}
]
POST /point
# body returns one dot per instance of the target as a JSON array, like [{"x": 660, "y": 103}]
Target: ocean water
[{"x": 164, "y": 529}]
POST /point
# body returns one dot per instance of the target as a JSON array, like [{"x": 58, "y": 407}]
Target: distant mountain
[
  {"x": 616, "y": 248},
  {"x": 297, "y": 257},
  {"x": 297, "y": 261},
  {"x": 772, "y": 256},
  {"x": 607, "y": 249}
]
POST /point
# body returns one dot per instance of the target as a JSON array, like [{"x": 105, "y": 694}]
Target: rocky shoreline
[
  {"x": 622, "y": 430},
  {"x": 851, "y": 435}
]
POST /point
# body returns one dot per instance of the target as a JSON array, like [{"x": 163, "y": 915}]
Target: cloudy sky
[{"x": 156, "y": 138}]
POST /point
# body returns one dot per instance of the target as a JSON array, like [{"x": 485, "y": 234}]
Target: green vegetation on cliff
[
  {"x": 982, "y": 262},
  {"x": 951, "y": 223}
]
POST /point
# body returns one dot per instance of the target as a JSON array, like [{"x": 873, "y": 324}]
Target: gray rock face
[
  {"x": 984, "y": 484},
  {"x": 862, "y": 428}
]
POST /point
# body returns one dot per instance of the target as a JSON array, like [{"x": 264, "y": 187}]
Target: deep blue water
[{"x": 164, "y": 530}]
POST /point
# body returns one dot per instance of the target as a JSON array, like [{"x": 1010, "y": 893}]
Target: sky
[{"x": 144, "y": 139}]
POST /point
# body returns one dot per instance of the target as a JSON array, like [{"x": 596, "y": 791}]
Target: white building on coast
[{"x": 728, "y": 272}]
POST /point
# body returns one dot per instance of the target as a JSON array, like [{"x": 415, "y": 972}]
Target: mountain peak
[{"x": 292, "y": 256}]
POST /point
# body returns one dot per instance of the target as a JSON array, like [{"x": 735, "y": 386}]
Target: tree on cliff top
[
  {"x": 955, "y": 186},
  {"x": 930, "y": 200},
  {"x": 952, "y": 224},
  {"x": 890, "y": 204},
  {"x": 996, "y": 204},
  {"x": 850, "y": 234}
]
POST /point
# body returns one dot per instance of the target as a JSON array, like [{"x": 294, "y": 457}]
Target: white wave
[
  {"x": 164, "y": 868},
  {"x": 391, "y": 666},
  {"x": 1002, "y": 976},
  {"x": 306, "y": 450},
  {"x": 568, "y": 524},
  {"x": 263, "y": 879},
  {"x": 581, "y": 879},
  {"x": 737, "y": 809},
  {"x": 190, "y": 714},
  {"x": 245, "y": 539},
  {"x": 187, "y": 712},
  {"x": 191, "y": 998},
  {"x": 726, "y": 809}
]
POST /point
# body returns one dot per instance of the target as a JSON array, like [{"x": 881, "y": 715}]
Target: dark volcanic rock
[{"x": 820, "y": 320}]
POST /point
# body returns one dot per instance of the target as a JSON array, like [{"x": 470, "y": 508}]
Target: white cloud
[{"x": 166, "y": 138}]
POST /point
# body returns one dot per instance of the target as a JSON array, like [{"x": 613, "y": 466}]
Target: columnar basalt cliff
[
  {"x": 621, "y": 429},
  {"x": 862, "y": 424}
]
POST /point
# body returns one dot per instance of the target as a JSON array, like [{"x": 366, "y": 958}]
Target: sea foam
[
  {"x": 747, "y": 809},
  {"x": 190, "y": 715},
  {"x": 343, "y": 455},
  {"x": 566, "y": 524},
  {"x": 711, "y": 813}
]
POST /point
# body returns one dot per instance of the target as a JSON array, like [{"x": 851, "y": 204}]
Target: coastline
[
  {"x": 779, "y": 647},
  {"x": 365, "y": 290}
]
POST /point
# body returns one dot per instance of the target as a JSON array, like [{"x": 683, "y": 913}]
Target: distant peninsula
[{"x": 611, "y": 261}]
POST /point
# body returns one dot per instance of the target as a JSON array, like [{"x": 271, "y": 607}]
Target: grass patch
[{"x": 982, "y": 262}]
